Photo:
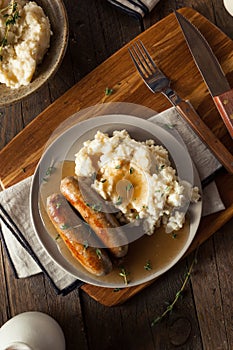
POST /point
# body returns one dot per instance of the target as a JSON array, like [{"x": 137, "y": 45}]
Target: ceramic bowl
[
  {"x": 31, "y": 330},
  {"x": 56, "y": 12},
  {"x": 229, "y": 6}
]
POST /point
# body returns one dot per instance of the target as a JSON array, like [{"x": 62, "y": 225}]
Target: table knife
[{"x": 210, "y": 70}]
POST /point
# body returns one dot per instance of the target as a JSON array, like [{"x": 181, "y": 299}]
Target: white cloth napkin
[
  {"x": 137, "y": 8},
  {"x": 204, "y": 160},
  {"x": 28, "y": 257}
]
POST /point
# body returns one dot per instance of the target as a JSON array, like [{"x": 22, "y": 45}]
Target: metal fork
[{"x": 156, "y": 81}]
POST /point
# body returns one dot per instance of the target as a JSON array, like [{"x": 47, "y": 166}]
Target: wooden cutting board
[{"x": 166, "y": 44}]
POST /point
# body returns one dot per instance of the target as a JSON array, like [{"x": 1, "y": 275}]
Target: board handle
[
  {"x": 187, "y": 111},
  {"x": 224, "y": 103}
]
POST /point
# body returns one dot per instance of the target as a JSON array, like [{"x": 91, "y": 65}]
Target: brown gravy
[{"x": 159, "y": 249}]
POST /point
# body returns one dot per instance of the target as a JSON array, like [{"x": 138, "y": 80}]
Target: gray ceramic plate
[
  {"x": 165, "y": 251},
  {"x": 56, "y": 12}
]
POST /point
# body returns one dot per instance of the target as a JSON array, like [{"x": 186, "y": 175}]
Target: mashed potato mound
[
  {"x": 137, "y": 177},
  {"x": 27, "y": 42}
]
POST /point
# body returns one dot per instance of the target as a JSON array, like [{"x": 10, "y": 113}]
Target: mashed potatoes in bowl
[
  {"x": 25, "y": 38},
  {"x": 33, "y": 41}
]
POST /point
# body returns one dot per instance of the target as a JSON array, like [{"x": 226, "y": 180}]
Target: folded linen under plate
[
  {"x": 26, "y": 254},
  {"x": 136, "y": 8}
]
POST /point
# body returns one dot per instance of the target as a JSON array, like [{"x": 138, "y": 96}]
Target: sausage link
[
  {"x": 105, "y": 225},
  {"x": 77, "y": 237}
]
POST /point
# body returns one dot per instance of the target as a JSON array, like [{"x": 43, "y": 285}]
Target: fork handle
[{"x": 187, "y": 111}]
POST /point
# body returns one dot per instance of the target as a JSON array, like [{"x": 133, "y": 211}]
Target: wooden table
[{"x": 202, "y": 319}]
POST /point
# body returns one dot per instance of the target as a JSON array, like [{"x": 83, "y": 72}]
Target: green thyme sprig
[
  {"x": 50, "y": 170},
  {"x": 170, "y": 306},
  {"x": 11, "y": 19},
  {"x": 148, "y": 266},
  {"x": 123, "y": 273},
  {"x": 98, "y": 253},
  {"x": 108, "y": 91}
]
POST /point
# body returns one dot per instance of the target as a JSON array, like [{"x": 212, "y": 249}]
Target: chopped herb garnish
[
  {"x": 10, "y": 20},
  {"x": 64, "y": 227},
  {"x": 58, "y": 205},
  {"x": 123, "y": 273},
  {"x": 170, "y": 126},
  {"x": 131, "y": 170},
  {"x": 148, "y": 266},
  {"x": 119, "y": 201},
  {"x": 57, "y": 237},
  {"x": 118, "y": 166},
  {"x": 49, "y": 170},
  {"x": 85, "y": 245},
  {"x": 96, "y": 207},
  {"x": 137, "y": 217},
  {"x": 103, "y": 181},
  {"x": 174, "y": 235},
  {"x": 129, "y": 187},
  {"x": 98, "y": 252},
  {"x": 108, "y": 91}
]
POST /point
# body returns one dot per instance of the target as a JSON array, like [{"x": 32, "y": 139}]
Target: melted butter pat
[{"x": 127, "y": 182}]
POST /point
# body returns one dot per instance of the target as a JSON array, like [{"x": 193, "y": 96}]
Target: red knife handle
[
  {"x": 224, "y": 103},
  {"x": 187, "y": 111}
]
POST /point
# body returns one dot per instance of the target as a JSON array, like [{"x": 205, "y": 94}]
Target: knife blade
[{"x": 210, "y": 70}]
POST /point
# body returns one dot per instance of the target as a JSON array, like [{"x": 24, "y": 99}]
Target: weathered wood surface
[
  {"x": 203, "y": 318},
  {"x": 128, "y": 86},
  {"x": 167, "y": 45}
]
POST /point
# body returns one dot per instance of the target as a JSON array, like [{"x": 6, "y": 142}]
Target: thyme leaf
[
  {"x": 11, "y": 19},
  {"x": 64, "y": 227},
  {"x": 148, "y": 266},
  {"x": 123, "y": 273},
  {"x": 108, "y": 91},
  {"x": 178, "y": 293},
  {"x": 119, "y": 201},
  {"x": 131, "y": 170},
  {"x": 98, "y": 253}
]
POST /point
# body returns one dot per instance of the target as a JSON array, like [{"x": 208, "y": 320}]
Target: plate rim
[{"x": 66, "y": 266}]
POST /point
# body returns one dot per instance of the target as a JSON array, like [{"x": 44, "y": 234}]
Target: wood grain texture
[
  {"x": 208, "y": 300},
  {"x": 126, "y": 326},
  {"x": 224, "y": 103},
  {"x": 167, "y": 50},
  {"x": 208, "y": 226},
  {"x": 128, "y": 87}
]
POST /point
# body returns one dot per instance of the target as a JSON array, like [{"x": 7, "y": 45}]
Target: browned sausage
[
  {"x": 76, "y": 236},
  {"x": 105, "y": 225}
]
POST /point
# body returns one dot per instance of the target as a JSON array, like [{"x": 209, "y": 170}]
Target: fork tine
[
  {"x": 147, "y": 54},
  {"x": 139, "y": 61},
  {"x": 142, "y": 60},
  {"x": 133, "y": 54}
]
